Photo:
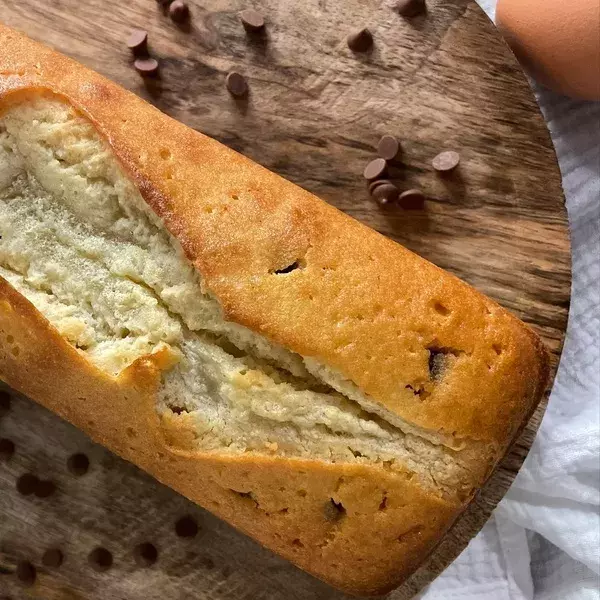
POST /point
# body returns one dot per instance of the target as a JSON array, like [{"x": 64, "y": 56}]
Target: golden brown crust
[
  {"x": 377, "y": 308},
  {"x": 283, "y": 503}
]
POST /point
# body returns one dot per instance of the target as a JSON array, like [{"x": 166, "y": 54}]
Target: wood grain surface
[{"x": 314, "y": 114}]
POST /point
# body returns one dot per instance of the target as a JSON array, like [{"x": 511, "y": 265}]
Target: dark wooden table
[{"x": 314, "y": 114}]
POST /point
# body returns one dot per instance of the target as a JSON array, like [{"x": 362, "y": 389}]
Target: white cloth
[{"x": 543, "y": 542}]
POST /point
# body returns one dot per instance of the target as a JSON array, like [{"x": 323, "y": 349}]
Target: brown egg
[{"x": 557, "y": 41}]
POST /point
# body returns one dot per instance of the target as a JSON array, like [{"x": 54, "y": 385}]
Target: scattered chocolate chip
[
  {"x": 4, "y": 402},
  {"x": 179, "y": 11},
  {"x": 145, "y": 554},
  {"x": 100, "y": 559},
  {"x": 376, "y": 169},
  {"x": 236, "y": 84},
  {"x": 252, "y": 20},
  {"x": 377, "y": 183},
  {"x": 26, "y": 572},
  {"x": 7, "y": 449},
  {"x": 410, "y": 8},
  {"x": 78, "y": 464},
  {"x": 147, "y": 67},
  {"x": 388, "y": 147},
  {"x": 411, "y": 199},
  {"x": 186, "y": 527},
  {"x": 27, "y": 484},
  {"x": 333, "y": 511},
  {"x": 385, "y": 193},
  {"x": 53, "y": 558},
  {"x": 137, "y": 41},
  {"x": 360, "y": 41},
  {"x": 44, "y": 489},
  {"x": 446, "y": 161}
]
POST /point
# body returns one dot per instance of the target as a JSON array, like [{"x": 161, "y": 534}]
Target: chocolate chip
[
  {"x": 45, "y": 489},
  {"x": 411, "y": 199},
  {"x": 179, "y": 11},
  {"x": 164, "y": 3},
  {"x": 385, "y": 193},
  {"x": 147, "y": 67},
  {"x": 4, "y": 402},
  {"x": 446, "y": 161},
  {"x": 53, "y": 558},
  {"x": 7, "y": 449},
  {"x": 410, "y": 8},
  {"x": 78, "y": 464},
  {"x": 360, "y": 41},
  {"x": 27, "y": 484},
  {"x": 252, "y": 20},
  {"x": 137, "y": 41},
  {"x": 437, "y": 362},
  {"x": 376, "y": 183},
  {"x": 100, "y": 559},
  {"x": 388, "y": 147},
  {"x": 333, "y": 511},
  {"x": 26, "y": 572},
  {"x": 236, "y": 84},
  {"x": 376, "y": 169},
  {"x": 186, "y": 527},
  {"x": 145, "y": 554}
]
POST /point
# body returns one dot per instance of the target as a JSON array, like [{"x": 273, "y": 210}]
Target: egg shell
[{"x": 557, "y": 41}]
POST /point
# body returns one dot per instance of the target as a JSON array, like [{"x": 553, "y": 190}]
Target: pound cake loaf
[{"x": 318, "y": 386}]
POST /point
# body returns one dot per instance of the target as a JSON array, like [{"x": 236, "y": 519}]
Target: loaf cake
[{"x": 313, "y": 383}]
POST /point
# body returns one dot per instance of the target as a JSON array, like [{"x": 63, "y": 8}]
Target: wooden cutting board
[{"x": 314, "y": 115}]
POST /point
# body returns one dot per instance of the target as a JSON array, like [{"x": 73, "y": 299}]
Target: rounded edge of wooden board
[{"x": 476, "y": 515}]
